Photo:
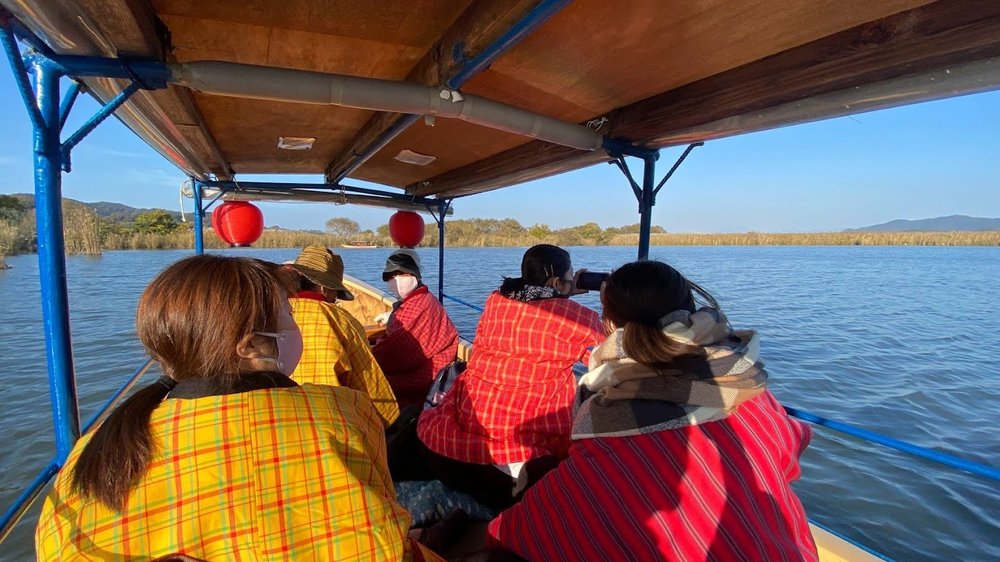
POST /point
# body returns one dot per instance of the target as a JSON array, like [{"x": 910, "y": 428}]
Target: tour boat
[{"x": 438, "y": 100}]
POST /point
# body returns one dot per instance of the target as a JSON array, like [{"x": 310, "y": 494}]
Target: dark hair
[
  {"x": 302, "y": 282},
  {"x": 190, "y": 319},
  {"x": 635, "y": 297},
  {"x": 540, "y": 262}
]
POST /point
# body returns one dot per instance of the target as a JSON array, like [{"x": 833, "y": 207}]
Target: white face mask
[
  {"x": 403, "y": 285},
  {"x": 289, "y": 344}
]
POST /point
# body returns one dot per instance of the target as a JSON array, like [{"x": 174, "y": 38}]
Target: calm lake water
[{"x": 902, "y": 341}]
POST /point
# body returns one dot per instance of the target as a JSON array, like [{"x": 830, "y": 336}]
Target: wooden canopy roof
[{"x": 654, "y": 72}]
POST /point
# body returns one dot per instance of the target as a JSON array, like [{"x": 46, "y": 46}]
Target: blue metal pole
[
  {"x": 26, "y": 36},
  {"x": 199, "y": 217},
  {"x": 676, "y": 165},
  {"x": 149, "y": 74},
  {"x": 646, "y": 203},
  {"x": 442, "y": 211},
  {"x": 52, "y": 262},
  {"x": 96, "y": 120},
  {"x": 20, "y": 75},
  {"x": 67, "y": 103}
]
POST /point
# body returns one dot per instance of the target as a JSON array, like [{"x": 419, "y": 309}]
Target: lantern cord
[{"x": 180, "y": 200}]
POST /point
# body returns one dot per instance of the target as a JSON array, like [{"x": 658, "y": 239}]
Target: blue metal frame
[
  {"x": 31, "y": 493},
  {"x": 68, "y": 101},
  {"x": 52, "y": 262},
  {"x": 646, "y": 202},
  {"x": 645, "y": 194},
  {"x": 205, "y": 208},
  {"x": 442, "y": 212},
  {"x": 47, "y": 117},
  {"x": 148, "y": 74},
  {"x": 8, "y": 21},
  {"x": 291, "y": 187},
  {"x": 199, "y": 218},
  {"x": 106, "y": 111},
  {"x": 26, "y": 498},
  {"x": 21, "y": 75},
  {"x": 102, "y": 413},
  {"x": 530, "y": 22}
]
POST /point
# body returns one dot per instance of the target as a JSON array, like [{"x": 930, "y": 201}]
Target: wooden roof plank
[
  {"x": 478, "y": 26},
  {"x": 925, "y": 38},
  {"x": 414, "y": 23},
  {"x": 604, "y": 55},
  {"x": 922, "y": 39}
]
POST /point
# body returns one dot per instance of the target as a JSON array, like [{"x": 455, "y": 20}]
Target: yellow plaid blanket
[
  {"x": 276, "y": 474},
  {"x": 335, "y": 352}
]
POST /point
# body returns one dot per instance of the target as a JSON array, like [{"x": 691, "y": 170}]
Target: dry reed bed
[
  {"x": 988, "y": 238},
  {"x": 182, "y": 239},
  {"x": 83, "y": 239},
  {"x": 296, "y": 239}
]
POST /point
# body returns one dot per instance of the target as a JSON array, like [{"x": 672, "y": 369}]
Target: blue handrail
[
  {"x": 903, "y": 446},
  {"x": 460, "y": 301},
  {"x": 27, "y": 497},
  {"x": 31, "y": 493},
  {"x": 864, "y": 434},
  {"x": 105, "y": 410}
]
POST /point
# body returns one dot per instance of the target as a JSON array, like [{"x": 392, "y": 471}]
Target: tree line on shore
[{"x": 157, "y": 229}]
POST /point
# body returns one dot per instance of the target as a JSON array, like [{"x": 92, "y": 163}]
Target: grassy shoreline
[
  {"x": 88, "y": 237},
  {"x": 298, "y": 239},
  {"x": 986, "y": 238}
]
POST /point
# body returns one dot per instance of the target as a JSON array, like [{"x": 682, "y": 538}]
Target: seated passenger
[
  {"x": 679, "y": 450},
  {"x": 419, "y": 338},
  {"x": 514, "y": 401},
  {"x": 225, "y": 457},
  {"x": 335, "y": 349}
]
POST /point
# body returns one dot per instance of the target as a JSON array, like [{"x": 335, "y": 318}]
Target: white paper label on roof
[
  {"x": 296, "y": 143},
  {"x": 415, "y": 158}
]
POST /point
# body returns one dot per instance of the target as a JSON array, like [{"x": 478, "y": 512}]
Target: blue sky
[{"x": 920, "y": 161}]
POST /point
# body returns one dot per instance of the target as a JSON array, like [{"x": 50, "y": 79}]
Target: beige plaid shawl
[{"x": 619, "y": 396}]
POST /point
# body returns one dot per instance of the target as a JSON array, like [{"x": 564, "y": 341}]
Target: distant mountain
[
  {"x": 940, "y": 224},
  {"x": 114, "y": 212}
]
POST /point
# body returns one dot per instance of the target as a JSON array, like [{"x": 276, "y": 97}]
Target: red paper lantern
[
  {"x": 406, "y": 228},
  {"x": 238, "y": 223}
]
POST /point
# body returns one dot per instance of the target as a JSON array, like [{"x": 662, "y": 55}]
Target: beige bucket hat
[{"x": 323, "y": 267}]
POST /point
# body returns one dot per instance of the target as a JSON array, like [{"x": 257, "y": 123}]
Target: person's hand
[{"x": 576, "y": 290}]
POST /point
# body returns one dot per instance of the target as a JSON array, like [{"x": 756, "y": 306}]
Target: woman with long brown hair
[
  {"x": 224, "y": 456},
  {"x": 679, "y": 450}
]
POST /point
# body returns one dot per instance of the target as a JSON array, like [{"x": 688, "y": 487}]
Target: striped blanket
[{"x": 619, "y": 396}]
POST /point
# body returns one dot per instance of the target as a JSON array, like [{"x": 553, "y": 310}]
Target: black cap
[{"x": 402, "y": 261}]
